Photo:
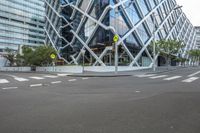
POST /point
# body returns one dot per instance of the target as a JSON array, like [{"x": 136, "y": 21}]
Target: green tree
[
  {"x": 169, "y": 48},
  {"x": 194, "y": 55},
  {"x": 10, "y": 56},
  {"x": 38, "y": 56}
]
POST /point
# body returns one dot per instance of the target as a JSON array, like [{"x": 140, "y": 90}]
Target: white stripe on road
[
  {"x": 50, "y": 76},
  {"x": 193, "y": 74},
  {"x": 189, "y": 80},
  {"x": 56, "y": 82},
  {"x": 143, "y": 76},
  {"x": 38, "y": 78},
  {"x": 35, "y": 85},
  {"x": 84, "y": 78},
  {"x": 72, "y": 80},
  {"x": 21, "y": 79},
  {"x": 63, "y": 75},
  {"x": 172, "y": 78},
  {"x": 9, "y": 88},
  {"x": 4, "y": 81},
  {"x": 156, "y": 77}
]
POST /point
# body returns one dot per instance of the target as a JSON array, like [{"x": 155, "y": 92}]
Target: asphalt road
[{"x": 143, "y": 103}]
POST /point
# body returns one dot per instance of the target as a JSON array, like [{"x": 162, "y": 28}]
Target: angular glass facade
[
  {"x": 21, "y": 23},
  {"x": 74, "y": 25},
  {"x": 197, "y": 37}
]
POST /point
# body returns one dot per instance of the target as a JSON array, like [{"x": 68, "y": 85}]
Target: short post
[{"x": 83, "y": 56}]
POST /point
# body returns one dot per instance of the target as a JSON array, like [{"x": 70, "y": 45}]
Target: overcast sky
[{"x": 192, "y": 10}]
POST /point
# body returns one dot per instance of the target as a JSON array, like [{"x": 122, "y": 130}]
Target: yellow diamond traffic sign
[
  {"x": 53, "y": 56},
  {"x": 115, "y": 38}
]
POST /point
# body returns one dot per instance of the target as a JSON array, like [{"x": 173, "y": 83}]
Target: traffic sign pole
[{"x": 115, "y": 39}]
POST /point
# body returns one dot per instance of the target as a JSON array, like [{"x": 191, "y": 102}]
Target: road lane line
[
  {"x": 193, "y": 74},
  {"x": 72, "y": 80},
  {"x": 35, "y": 85},
  {"x": 4, "y": 81},
  {"x": 189, "y": 80},
  {"x": 21, "y": 79},
  {"x": 9, "y": 88},
  {"x": 50, "y": 76},
  {"x": 56, "y": 82},
  {"x": 84, "y": 78},
  {"x": 156, "y": 77},
  {"x": 38, "y": 78},
  {"x": 172, "y": 78},
  {"x": 143, "y": 76},
  {"x": 63, "y": 75}
]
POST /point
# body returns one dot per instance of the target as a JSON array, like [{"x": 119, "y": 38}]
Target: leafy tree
[
  {"x": 169, "y": 48},
  {"x": 38, "y": 56},
  {"x": 194, "y": 55},
  {"x": 10, "y": 56}
]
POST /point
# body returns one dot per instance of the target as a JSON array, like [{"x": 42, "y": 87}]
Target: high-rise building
[
  {"x": 76, "y": 25},
  {"x": 197, "y": 37},
  {"x": 21, "y": 23}
]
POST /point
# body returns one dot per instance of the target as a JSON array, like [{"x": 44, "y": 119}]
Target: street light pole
[{"x": 154, "y": 43}]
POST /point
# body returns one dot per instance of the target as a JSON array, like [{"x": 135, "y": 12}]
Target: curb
[{"x": 111, "y": 75}]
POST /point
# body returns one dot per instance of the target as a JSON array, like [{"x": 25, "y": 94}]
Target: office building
[
  {"x": 21, "y": 23},
  {"x": 74, "y": 26}
]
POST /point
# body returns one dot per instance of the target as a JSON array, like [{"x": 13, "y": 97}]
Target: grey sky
[{"x": 192, "y": 10}]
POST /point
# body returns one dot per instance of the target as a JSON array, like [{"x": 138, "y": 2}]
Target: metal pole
[
  {"x": 116, "y": 58},
  {"x": 83, "y": 61},
  {"x": 154, "y": 44}
]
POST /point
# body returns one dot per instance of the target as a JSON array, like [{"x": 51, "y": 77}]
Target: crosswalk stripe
[
  {"x": 143, "y": 76},
  {"x": 21, "y": 79},
  {"x": 63, "y": 75},
  {"x": 189, "y": 80},
  {"x": 84, "y": 78},
  {"x": 72, "y": 80},
  {"x": 50, "y": 76},
  {"x": 4, "y": 81},
  {"x": 36, "y": 78},
  {"x": 56, "y": 82},
  {"x": 9, "y": 88},
  {"x": 156, "y": 77},
  {"x": 191, "y": 75},
  {"x": 172, "y": 78}
]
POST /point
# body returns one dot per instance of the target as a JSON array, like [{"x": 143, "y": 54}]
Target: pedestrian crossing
[
  {"x": 186, "y": 79},
  {"x": 23, "y": 79}
]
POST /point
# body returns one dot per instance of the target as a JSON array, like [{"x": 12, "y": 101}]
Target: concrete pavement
[{"x": 141, "y": 103}]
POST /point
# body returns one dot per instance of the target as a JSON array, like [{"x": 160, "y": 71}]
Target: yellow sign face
[
  {"x": 53, "y": 56},
  {"x": 115, "y": 38}
]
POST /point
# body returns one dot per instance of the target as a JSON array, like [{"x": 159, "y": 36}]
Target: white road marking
[
  {"x": 56, "y": 82},
  {"x": 9, "y": 88},
  {"x": 72, "y": 80},
  {"x": 50, "y": 76},
  {"x": 38, "y": 78},
  {"x": 137, "y": 91},
  {"x": 143, "y": 76},
  {"x": 172, "y": 78},
  {"x": 35, "y": 85},
  {"x": 84, "y": 78},
  {"x": 4, "y": 81},
  {"x": 21, "y": 79},
  {"x": 156, "y": 77},
  {"x": 63, "y": 75},
  {"x": 189, "y": 80},
  {"x": 193, "y": 74}
]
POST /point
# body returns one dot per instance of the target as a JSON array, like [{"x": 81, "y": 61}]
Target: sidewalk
[{"x": 128, "y": 73}]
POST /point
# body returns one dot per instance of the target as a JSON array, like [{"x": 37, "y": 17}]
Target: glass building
[
  {"x": 76, "y": 25},
  {"x": 197, "y": 36},
  {"x": 21, "y": 23}
]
